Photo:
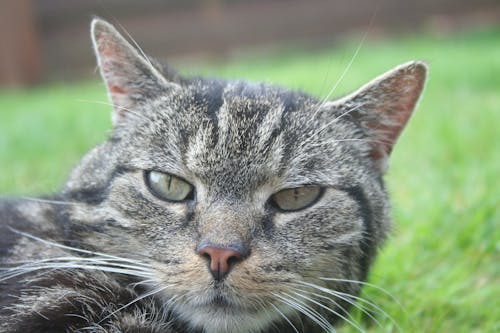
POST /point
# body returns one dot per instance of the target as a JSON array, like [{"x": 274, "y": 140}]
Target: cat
[{"x": 214, "y": 206}]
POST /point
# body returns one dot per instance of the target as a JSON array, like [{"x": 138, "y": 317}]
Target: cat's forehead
[
  {"x": 238, "y": 107},
  {"x": 245, "y": 97},
  {"x": 235, "y": 130}
]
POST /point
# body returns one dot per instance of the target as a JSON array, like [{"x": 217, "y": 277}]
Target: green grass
[{"x": 443, "y": 260}]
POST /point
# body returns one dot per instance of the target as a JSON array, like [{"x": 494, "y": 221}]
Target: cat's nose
[{"x": 221, "y": 259}]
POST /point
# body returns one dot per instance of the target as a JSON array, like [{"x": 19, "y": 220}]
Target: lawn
[{"x": 442, "y": 263}]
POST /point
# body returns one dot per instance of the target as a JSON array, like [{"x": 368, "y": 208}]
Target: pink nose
[{"x": 220, "y": 259}]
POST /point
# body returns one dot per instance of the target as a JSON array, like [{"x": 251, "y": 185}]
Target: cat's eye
[
  {"x": 169, "y": 187},
  {"x": 292, "y": 199}
]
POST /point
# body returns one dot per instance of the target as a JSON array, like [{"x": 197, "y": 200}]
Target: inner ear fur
[
  {"x": 383, "y": 106},
  {"x": 130, "y": 77}
]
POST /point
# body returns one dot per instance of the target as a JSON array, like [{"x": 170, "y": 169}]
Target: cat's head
[{"x": 246, "y": 203}]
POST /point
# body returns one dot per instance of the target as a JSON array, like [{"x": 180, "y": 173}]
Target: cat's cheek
[
  {"x": 261, "y": 275},
  {"x": 282, "y": 220},
  {"x": 186, "y": 274},
  {"x": 130, "y": 197}
]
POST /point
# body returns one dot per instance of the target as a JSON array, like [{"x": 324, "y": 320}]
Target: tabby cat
[{"x": 214, "y": 206}]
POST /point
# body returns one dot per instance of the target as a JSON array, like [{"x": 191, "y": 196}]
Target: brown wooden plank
[{"x": 20, "y": 62}]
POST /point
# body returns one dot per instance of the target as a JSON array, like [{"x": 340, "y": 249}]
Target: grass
[{"x": 443, "y": 260}]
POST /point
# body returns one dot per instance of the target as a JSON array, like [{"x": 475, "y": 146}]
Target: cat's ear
[
  {"x": 383, "y": 106},
  {"x": 130, "y": 76}
]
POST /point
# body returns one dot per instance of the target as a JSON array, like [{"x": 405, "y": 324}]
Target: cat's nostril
[
  {"x": 232, "y": 260},
  {"x": 221, "y": 260}
]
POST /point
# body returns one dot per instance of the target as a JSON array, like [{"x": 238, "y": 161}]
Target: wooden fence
[{"x": 48, "y": 39}]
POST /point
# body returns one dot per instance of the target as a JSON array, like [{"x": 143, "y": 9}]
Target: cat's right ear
[{"x": 130, "y": 77}]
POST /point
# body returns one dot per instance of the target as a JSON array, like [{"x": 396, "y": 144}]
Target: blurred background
[
  {"x": 440, "y": 271},
  {"x": 48, "y": 39}
]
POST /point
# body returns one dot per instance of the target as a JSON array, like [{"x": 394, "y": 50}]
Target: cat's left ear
[
  {"x": 383, "y": 107},
  {"x": 130, "y": 77}
]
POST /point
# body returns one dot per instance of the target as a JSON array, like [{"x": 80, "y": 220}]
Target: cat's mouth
[
  {"x": 219, "y": 297},
  {"x": 216, "y": 311},
  {"x": 220, "y": 302}
]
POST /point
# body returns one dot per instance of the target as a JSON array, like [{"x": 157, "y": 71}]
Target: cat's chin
[
  {"x": 217, "y": 318},
  {"x": 220, "y": 314}
]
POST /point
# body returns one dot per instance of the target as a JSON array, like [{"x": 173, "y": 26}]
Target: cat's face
[{"x": 243, "y": 201}]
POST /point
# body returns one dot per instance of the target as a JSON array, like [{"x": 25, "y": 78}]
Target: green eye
[
  {"x": 169, "y": 187},
  {"x": 292, "y": 199}
]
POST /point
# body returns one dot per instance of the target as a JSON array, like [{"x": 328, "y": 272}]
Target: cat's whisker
[
  {"x": 349, "y": 140},
  {"x": 343, "y": 74},
  {"x": 50, "y": 268},
  {"x": 141, "y": 51},
  {"x": 169, "y": 305},
  {"x": 65, "y": 247},
  {"x": 325, "y": 99},
  {"x": 349, "y": 298},
  {"x": 329, "y": 299},
  {"x": 364, "y": 284},
  {"x": 350, "y": 63},
  {"x": 282, "y": 315},
  {"x": 300, "y": 309},
  {"x": 345, "y": 297},
  {"x": 143, "y": 282},
  {"x": 60, "y": 266},
  {"x": 137, "y": 299},
  {"x": 98, "y": 260},
  {"x": 350, "y": 321},
  {"x": 262, "y": 306},
  {"x": 378, "y": 309},
  {"x": 118, "y": 107},
  {"x": 306, "y": 310},
  {"x": 311, "y": 136},
  {"x": 55, "y": 202},
  {"x": 366, "y": 309},
  {"x": 95, "y": 263}
]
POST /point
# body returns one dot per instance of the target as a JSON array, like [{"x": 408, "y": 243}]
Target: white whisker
[
  {"x": 145, "y": 295},
  {"x": 114, "y": 106},
  {"x": 351, "y": 61},
  {"x": 365, "y": 284},
  {"x": 98, "y": 260},
  {"x": 306, "y": 310},
  {"x": 334, "y": 120},
  {"x": 329, "y": 299},
  {"x": 146, "y": 58},
  {"x": 346, "y": 298},
  {"x": 373, "y": 307},
  {"x": 56, "y": 202},
  {"x": 350, "y": 321},
  {"x": 284, "y": 317},
  {"x": 26, "y": 270},
  {"x": 50, "y": 243},
  {"x": 14, "y": 272},
  {"x": 143, "y": 282},
  {"x": 343, "y": 296}
]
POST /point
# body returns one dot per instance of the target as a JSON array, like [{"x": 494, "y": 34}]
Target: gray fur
[{"x": 237, "y": 143}]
